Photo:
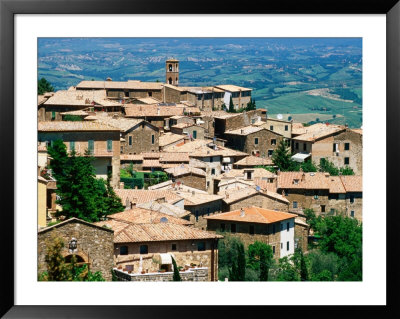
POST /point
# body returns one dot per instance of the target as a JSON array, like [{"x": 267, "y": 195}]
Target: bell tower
[{"x": 172, "y": 72}]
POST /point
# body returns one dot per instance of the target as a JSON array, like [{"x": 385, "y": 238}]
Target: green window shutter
[
  {"x": 53, "y": 115},
  {"x": 194, "y": 134},
  {"x": 152, "y": 139},
  {"x": 91, "y": 146},
  {"x": 109, "y": 145}
]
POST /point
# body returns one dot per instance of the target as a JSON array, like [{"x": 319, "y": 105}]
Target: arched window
[
  {"x": 176, "y": 81},
  {"x": 170, "y": 67},
  {"x": 170, "y": 81}
]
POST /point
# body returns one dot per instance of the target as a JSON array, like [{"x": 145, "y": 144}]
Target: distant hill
[{"x": 282, "y": 72}]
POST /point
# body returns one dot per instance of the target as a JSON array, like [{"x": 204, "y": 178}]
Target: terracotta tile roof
[
  {"x": 151, "y": 163},
  {"x": 335, "y": 185},
  {"x": 160, "y": 185},
  {"x": 73, "y": 220},
  {"x": 141, "y": 110},
  {"x": 150, "y": 155},
  {"x": 246, "y": 130},
  {"x": 265, "y": 185},
  {"x": 140, "y": 215},
  {"x": 257, "y": 173},
  {"x": 293, "y": 180},
  {"x": 232, "y": 88},
  {"x": 140, "y": 196},
  {"x": 132, "y": 85},
  {"x": 78, "y": 126},
  {"x": 169, "y": 138},
  {"x": 114, "y": 224},
  {"x": 90, "y": 118},
  {"x": 214, "y": 113},
  {"x": 184, "y": 170},
  {"x": 148, "y": 100},
  {"x": 131, "y": 157},
  {"x": 122, "y": 123},
  {"x": 301, "y": 222},
  {"x": 166, "y": 157},
  {"x": 234, "y": 196},
  {"x": 298, "y": 128},
  {"x": 41, "y": 99},
  {"x": 253, "y": 215},
  {"x": 183, "y": 125},
  {"x": 79, "y": 113},
  {"x": 80, "y": 98},
  {"x": 200, "y": 148},
  {"x": 167, "y": 209},
  {"x": 352, "y": 183},
  {"x": 161, "y": 232},
  {"x": 193, "y": 198},
  {"x": 318, "y": 131},
  {"x": 225, "y": 182},
  {"x": 254, "y": 161}
]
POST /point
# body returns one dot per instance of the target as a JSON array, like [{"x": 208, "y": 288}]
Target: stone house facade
[
  {"x": 230, "y": 122},
  {"x": 247, "y": 197},
  {"x": 257, "y": 141},
  {"x": 337, "y": 144},
  {"x": 143, "y": 137},
  {"x": 252, "y": 224},
  {"x": 281, "y": 127},
  {"x": 148, "y": 248},
  {"x": 95, "y": 245},
  {"x": 101, "y": 140},
  {"x": 325, "y": 194},
  {"x": 192, "y": 130}
]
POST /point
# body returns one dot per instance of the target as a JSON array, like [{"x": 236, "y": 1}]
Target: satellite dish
[
  {"x": 279, "y": 117},
  {"x": 163, "y": 220},
  {"x": 258, "y": 188}
]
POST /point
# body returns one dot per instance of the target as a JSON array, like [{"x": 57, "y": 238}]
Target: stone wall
[
  {"x": 95, "y": 245},
  {"x": 240, "y": 120},
  {"x": 258, "y": 200},
  {"x": 192, "y": 180},
  {"x": 171, "y": 95},
  {"x": 281, "y": 127},
  {"x": 301, "y": 236},
  {"x": 262, "y": 232},
  {"x": 141, "y": 137},
  {"x": 198, "y": 212},
  {"x": 186, "y": 252},
  {"x": 193, "y": 274}
]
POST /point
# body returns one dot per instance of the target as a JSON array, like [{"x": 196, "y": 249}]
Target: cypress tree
[
  {"x": 231, "y": 106},
  {"x": 241, "y": 268},
  {"x": 177, "y": 276}
]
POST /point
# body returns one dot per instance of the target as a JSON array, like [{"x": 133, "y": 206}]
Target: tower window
[
  {"x": 170, "y": 68},
  {"x": 170, "y": 81}
]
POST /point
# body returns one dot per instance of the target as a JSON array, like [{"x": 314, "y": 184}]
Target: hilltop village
[{"x": 189, "y": 165}]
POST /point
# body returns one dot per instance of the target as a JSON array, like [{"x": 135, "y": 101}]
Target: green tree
[
  {"x": 303, "y": 266},
  {"x": 282, "y": 159},
  {"x": 260, "y": 258},
  {"x": 231, "y": 106},
  {"x": 44, "y": 86},
  {"x": 176, "y": 276},
  {"x": 346, "y": 171},
  {"x": 59, "y": 270},
  {"x": 308, "y": 167},
  {"x": 72, "y": 118},
  {"x": 81, "y": 195},
  {"x": 237, "y": 272},
  {"x": 286, "y": 270}
]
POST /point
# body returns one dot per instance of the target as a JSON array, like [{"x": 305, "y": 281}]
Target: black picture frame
[{"x": 8, "y": 9}]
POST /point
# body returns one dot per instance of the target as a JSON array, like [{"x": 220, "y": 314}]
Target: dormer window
[{"x": 295, "y": 181}]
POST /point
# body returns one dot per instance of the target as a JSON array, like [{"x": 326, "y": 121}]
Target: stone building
[
  {"x": 338, "y": 144},
  {"x": 188, "y": 175},
  {"x": 281, "y": 127},
  {"x": 205, "y": 98},
  {"x": 172, "y": 72},
  {"x": 325, "y": 194},
  {"x": 94, "y": 245},
  {"x": 240, "y": 95},
  {"x": 75, "y": 100},
  {"x": 102, "y": 141},
  {"x": 253, "y": 161},
  {"x": 253, "y": 223},
  {"x": 148, "y": 249},
  {"x": 193, "y": 131},
  {"x": 170, "y": 139},
  {"x": 228, "y": 121},
  {"x": 200, "y": 204},
  {"x": 178, "y": 119},
  {"x": 157, "y": 115},
  {"x": 137, "y": 135},
  {"x": 131, "y": 89},
  {"x": 301, "y": 232},
  {"x": 257, "y": 141},
  {"x": 251, "y": 196}
]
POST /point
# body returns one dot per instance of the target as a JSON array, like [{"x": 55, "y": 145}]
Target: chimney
[
  {"x": 241, "y": 212},
  {"x": 127, "y": 203},
  {"x": 303, "y": 177},
  {"x": 241, "y": 131},
  {"x": 193, "y": 193},
  {"x": 135, "y": 186},
  {"x": 121, "y": 185},
  {"x": 158, "y": 111},
  {"x": 283, "y": 192}
]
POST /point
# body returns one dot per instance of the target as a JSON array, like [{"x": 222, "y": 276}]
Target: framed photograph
[{"x": 33, "y": 36}]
